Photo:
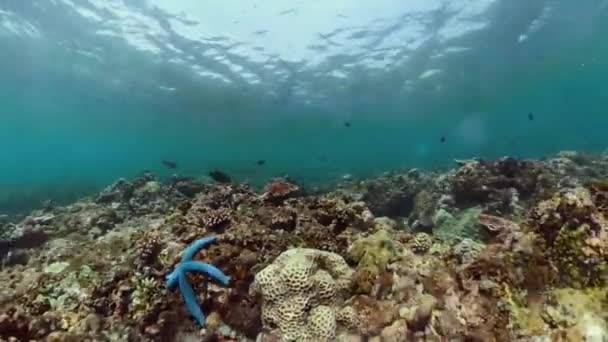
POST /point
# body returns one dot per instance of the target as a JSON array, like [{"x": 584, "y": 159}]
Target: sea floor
[{"x": 492, "y": 250}]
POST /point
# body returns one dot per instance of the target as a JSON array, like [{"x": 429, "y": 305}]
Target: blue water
[{"x": 94, "y": 90}]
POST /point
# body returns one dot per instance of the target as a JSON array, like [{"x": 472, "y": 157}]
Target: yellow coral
[
  {"x": 580, "y": 313},
  {"x": 144, "y": 298},
  {"x": 376, "y": 250},
  {"x": 573, "y": 312},
  {"x": 523, "y": 316}
]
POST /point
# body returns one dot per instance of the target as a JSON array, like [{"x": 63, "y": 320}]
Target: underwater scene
[{"x": 315, "y": 171}]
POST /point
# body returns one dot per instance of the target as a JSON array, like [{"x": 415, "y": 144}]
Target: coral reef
[
  {"x": 575, "y": 234},
  {"x": 393, "y": 194},
  {"x": 493, "y": 250},
  {"x": 498, "y": 185}
]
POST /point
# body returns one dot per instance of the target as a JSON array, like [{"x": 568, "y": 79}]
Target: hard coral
[
  {"x": 375, "y": 251},
  {"x": 302, "y": 291},
  {"x": 146, "y": 298},
  {"x": 147, "y": 250},
  {"x": 467, "y": 250},
  {"x": 218, "y": 197},
  {"x": 278, "y": 190},
  {"x": 421, "y": 243},
  {"x": 575, "y": 235},
  {"x": 216, "y": 219},
  {"x": 283, "y": 218},
  {"x": 337, "y": 213},
  {"x": 207, "y": 218}
]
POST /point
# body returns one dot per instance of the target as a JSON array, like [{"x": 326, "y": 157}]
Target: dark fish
[
  {"x": 322, "y": 158},
  {"x": 442, "y": 139},
  {"x": 169, "y": 164},
  {"x": 530, "y": 116},
  {"x": 346, "y": 124},
  {"x": 220, "y": 176},
  {"x": 260, "y": 162}
]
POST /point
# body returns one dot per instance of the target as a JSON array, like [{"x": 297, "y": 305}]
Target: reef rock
[
  {"x": 499, "y": 185},
  {"x": 392, "y": 195}
]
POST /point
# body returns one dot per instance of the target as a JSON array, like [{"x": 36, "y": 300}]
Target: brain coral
[{"x": 302, "y": 291}]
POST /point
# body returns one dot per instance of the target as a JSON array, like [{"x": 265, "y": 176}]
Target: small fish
[
  {"x": 322, "y": 158},
  {"x": 169, "y": 164},
  {"x": 346, "y": 124},
  {"x": 442, "y": 139},
  {"x": 530, "y": 116},
  {"x": 260, "y": 162},
  {"x": 220, "y": 176}
]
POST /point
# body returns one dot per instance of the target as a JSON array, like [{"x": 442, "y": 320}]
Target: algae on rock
[
  {"x": 571, "y": 314},
  {"x": 575, "y": 234},
  {"x": 453, "y": 228}
]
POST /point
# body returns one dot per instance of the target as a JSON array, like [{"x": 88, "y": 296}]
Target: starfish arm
[
  {"x": 196, "y": 246},
  {"x": 172, "y": 278},
  {"x": 190, "y": 298},
  {"x": 207, "y": 269}
]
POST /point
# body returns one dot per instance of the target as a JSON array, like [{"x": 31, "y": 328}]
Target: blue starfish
[{"x": 178, "y": 276}]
